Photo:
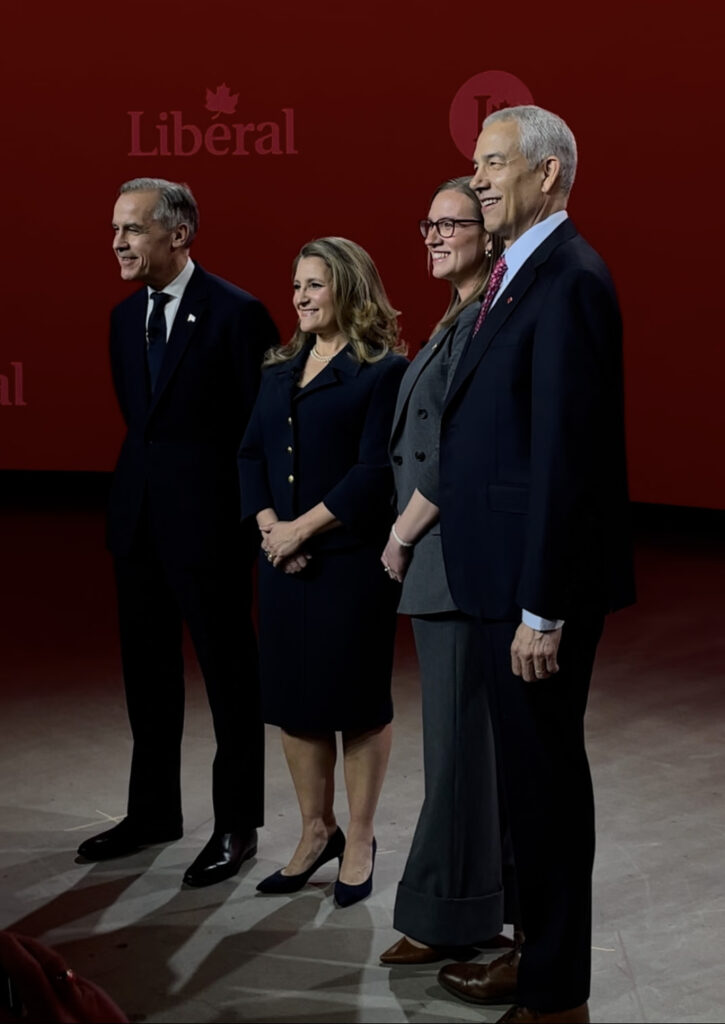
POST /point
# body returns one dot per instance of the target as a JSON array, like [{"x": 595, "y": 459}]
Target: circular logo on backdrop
[{"x": 477, "y": 98}]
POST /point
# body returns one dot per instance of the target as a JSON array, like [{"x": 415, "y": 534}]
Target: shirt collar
[
  {"x": 176, "y": 287},
  {"x": 520, "y": 250}
]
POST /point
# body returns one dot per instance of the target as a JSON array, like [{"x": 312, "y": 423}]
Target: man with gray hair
[
  {"x": 535, "y": 531},
  {"x": 186, "y": 353}
]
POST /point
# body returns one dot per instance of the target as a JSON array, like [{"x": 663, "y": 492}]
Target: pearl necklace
[{"x": 320, "y": 358}]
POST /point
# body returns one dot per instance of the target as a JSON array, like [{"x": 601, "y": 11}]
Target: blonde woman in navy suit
[
  {"x": 315, "y": 472},
  {"x": 452, "y": 892}
]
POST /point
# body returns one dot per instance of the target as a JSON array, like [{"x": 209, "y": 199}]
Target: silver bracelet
[{"x": 403, "y": 543}]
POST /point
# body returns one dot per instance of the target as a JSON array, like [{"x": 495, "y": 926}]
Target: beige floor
[{"x": 227, "y": 954}]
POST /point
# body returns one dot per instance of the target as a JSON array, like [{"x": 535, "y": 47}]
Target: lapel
[
  {"x": 419, "y": 364},
  {"x": 134, "y": 345},
  {"x": 336, "y": 371},
  {"x": 186, "y": 322},
  {"x": 507, "y": 304}
]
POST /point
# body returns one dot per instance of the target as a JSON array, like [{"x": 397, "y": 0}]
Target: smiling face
[
  {"x": 513, "y": 196},
  {"x": 457, "y": 259},
  {"x": 146, "y": 250},
  {"x": 313, "y": 299}
]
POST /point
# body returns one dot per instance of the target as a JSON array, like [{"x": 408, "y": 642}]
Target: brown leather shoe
[
  {"x": 520, "y": 1014},
  {"x": 483, "y": 983},
  {"x": 408, "y": 953}
]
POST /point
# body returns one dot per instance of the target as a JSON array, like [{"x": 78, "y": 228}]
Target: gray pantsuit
[{"x": 452, "y": 890}]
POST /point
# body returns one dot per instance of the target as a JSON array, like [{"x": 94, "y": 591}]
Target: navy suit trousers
[{"x": 539, "y": 732}]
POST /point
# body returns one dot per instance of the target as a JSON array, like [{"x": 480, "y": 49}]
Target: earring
[{"x": 488, "y": 253}]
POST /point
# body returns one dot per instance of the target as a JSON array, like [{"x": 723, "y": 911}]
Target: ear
[
  {"x": 180, "y": 236},
  {"x": 551, "y": 168}
]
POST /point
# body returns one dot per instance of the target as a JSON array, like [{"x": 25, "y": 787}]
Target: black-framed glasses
[{"x": 446, "y": 226}]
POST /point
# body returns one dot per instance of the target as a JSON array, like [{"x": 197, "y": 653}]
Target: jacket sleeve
[
  {"x": 255, "y": 490},
  {"x": 363, "y": 497},
  {"x": 117, "y": 364},
  {"x": 576, "y": 436},
  {"x": 254, "y": 333},
  {"x": 428, "y": 480}
]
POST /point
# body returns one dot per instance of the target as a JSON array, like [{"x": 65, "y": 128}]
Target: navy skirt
[{"x": 326, "y": 640}]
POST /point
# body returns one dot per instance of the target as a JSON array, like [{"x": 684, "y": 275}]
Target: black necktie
[{"x": 156, "y": 335}]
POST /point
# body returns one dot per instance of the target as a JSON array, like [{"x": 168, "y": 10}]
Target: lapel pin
[
  {"x": 509, "y": 299},
  {"x": 191, "y": 319}
]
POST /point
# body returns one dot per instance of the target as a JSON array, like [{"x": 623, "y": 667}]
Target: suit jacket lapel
[
  {"x": 192, "y": 305},
  {"x": 419, "y": 364},
  {"x": 340, "y": 367},
  {"x": 134, "y": 347},
  {"x": 289, "y": 372},
  {"x": 505, "y": 305}
]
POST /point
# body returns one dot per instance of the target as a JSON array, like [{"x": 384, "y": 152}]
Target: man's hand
[{"x": 533, "y": 653}]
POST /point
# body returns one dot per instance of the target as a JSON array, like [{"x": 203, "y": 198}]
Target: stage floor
[{"x": 655, "y": 729}]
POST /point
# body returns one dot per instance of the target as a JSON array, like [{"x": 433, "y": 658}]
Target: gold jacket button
[{"x": 290, "y": 479}]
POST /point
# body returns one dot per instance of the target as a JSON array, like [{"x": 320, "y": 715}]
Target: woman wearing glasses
[
  {"x": 451, "y": 894},
  {"x": 315, "y": 471}
]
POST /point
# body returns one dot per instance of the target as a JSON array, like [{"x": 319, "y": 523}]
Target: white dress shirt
[
  {"x": 520, "y": 250},
  {"x": 175, "y": 289}
]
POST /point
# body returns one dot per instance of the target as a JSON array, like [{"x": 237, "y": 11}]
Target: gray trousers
[{"x": 452, "y": 889}]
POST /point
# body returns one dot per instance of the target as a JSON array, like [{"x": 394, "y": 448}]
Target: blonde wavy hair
[{"x": 362, "y": 309}]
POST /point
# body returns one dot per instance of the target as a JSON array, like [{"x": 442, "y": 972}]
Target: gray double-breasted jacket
[{"x": 414, "y": 448}]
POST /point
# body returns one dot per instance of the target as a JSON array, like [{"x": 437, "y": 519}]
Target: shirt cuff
[{"x": 536, "y": 622}]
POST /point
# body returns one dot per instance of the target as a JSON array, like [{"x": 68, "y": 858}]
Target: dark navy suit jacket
[
  {"x": 179, "y": 454},
  {"x": 533, "y": 486},
  {"x": 325, "y": 442}
]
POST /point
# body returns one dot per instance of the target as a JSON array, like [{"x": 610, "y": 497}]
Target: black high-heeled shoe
[
  {"x": 346, "y": 895},
  {"x": 279, "y": 883}
]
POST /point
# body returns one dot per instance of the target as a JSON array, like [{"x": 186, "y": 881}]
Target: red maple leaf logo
[{"x": 221, "y": 101}]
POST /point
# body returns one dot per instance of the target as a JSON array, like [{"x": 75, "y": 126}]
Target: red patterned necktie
[{"x": 494, "y": 283}]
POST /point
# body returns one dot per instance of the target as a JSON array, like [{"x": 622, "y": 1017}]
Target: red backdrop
[{"x": 335, "y": 119}]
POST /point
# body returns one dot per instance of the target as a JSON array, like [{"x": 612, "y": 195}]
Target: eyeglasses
[{"x": 446, "y": 225}]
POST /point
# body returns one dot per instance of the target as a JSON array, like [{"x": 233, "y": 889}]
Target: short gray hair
[
  {"x": 176, "y": 204},
  {"x": 542, "y": 134}
]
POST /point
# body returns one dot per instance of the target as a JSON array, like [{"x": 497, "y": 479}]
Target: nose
[
  {"x": 436, "y": 239},
  {"x": 120, "y": 242},
  {"x": 479, "y": 181}
]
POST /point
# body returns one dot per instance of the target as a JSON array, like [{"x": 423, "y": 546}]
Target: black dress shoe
[
  {"x": 222, "y": 857},
  {"x": 125, "y": 838},
  {"x": 278, "y": 884},
  {"x": 345, "y": 895}
]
